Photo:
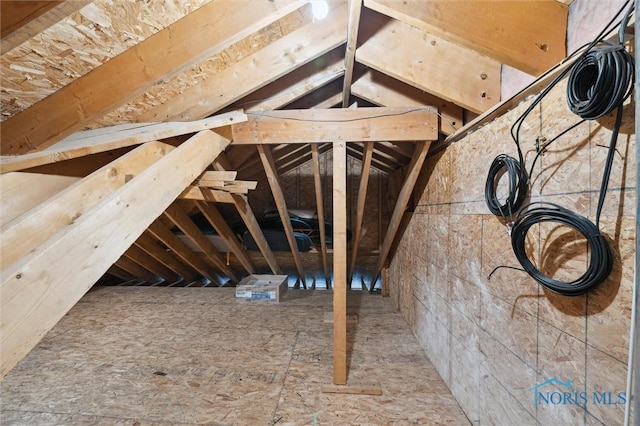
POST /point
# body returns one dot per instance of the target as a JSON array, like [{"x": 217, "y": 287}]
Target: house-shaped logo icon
[{"x": 552, "y": 380}]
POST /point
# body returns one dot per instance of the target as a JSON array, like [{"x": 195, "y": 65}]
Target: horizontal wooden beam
[
  {"x": 109, "y": 138},
  {"x": 214, "y": 196},
  {"x": 329, "y": 125},
  {"x": 36, "y": 295}
]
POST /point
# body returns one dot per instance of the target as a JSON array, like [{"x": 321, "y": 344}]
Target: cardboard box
[{"x": 262, "y": 287}]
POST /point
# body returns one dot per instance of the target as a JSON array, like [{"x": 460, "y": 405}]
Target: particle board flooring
[{"x": 149, "y": 355}]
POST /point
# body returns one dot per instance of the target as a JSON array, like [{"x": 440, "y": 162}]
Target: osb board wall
[
  {"x": 493, "y": 340},
  {"x": 79, "y": 44},
  {"x": 299, "y": 191}
]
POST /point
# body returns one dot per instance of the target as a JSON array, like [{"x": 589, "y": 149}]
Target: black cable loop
[
  {"x": 600, "y": 261},
  {"x": 518, "y": 185},
  {"x": 600, "y": 81}
]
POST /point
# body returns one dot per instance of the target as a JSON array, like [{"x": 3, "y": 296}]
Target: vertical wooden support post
[
  {"x": 340, "y": 263},
  {"x": 318, "y": 187}
]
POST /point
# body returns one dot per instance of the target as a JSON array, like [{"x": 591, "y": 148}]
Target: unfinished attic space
[{"x": 310, "y": 212}]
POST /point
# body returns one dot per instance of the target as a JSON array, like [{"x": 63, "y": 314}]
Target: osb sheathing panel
[
  {"x": 127, "y": 355},
  {"x": 80, "y": 43},
  {"x": 166, "y": 90},
  {"x": 503, "y": 336}
]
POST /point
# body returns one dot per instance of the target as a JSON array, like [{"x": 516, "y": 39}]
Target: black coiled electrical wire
[
  {"x": 601, "y": 258},
  {"x": 518, "y": 185},
  {"x": 600, "y": 81}
]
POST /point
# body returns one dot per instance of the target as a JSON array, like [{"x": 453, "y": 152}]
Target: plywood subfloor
[{"x": 145, "y": 355}]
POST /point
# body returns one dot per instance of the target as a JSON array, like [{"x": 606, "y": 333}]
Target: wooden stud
[
  {"x": 272, "y": 176},
  {"x": 249, "y": 219},
  {"x": 35, "y": 296},
  {"x": 214, "y": 196},
  {"x": 186, "y": 42},
  {"x": 360, "y": 204},
  {"x": 218, "y": 222},
  {"x": 319, "y": 125},
  {"x": 149, "y": 244},
  {"x": 340, "y": 263},
  {"x": 415, "y": 166},
  {"x": 28, "y": 231},
  {"x": 134, "y": 268},
  {"x": 148, "y": 262},
  {"x": 317, "y": 180},
  {"x": 355, "y": 6},
  {"x": 182, "y": 220},
  {"x": 182, "y": 250}
]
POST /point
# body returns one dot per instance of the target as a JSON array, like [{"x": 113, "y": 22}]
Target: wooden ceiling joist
[
  {"x": 137, "y": 270},
  {"x": 272, "y": 176},
  {"x": 526, "y": 35},
  {"x": 119, "y": 80},
  {"x": 256, "y": 71},
  {"x": 151, "y": 264},
  {"x": 28, "y": 231},
  {"x": 380, "y": 89},
  {"x": 414, "y": 168},
  {"x": 218, "y": 222},
  {"x": 84, "y": 250},
  {"x": 181, "y": 219},
  {"x": 182, "y": 251},
  {"x": 154, "y": 248},
  {"x": 319, "y": 125},
  {"x": 253, "y": 227},
  {"x": 431, "y": 63}
]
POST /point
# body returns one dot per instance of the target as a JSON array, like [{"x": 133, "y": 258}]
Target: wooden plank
[
  {"x": 430, "y": 63},
  {"x": 150, "y": 263},
  {"x": 137, "y": 270},
  {"x": 218, "y": 222},
  {"x": 34, "y": 296},
  {"x": 257, "y": 70},
  {"x": 182, "y": 220},
  {"x": 328, "y": 125},
  {"x": 360, "y": 203},
  {"x": 380, "y": 89},
  {"x": 297, "y": 83},
  {"x": 340, "y": 263},
  {"x": 195, "y": 193},
  {"x": 28, "y": 231},
  {"x": 355, "y": 6},
  {"x": 20, "y": 192},
  {"x": 149, "y": 244},
  {"x": 21, "y": 20},
  {"x": 317, "y": 180},
  {"x": 278, "y": 195},
  {"x": 188, "y": 41},
  {"x": 354, "y": 389},
  {"x": 88, "y": 142},
  {"x": 526, "y": 35},
  {"x": 180, "y": 249},
  {"x": 414, "y": 167},
  {"x": 253, "y": 227},
  {"x": 218, "y": 175}
]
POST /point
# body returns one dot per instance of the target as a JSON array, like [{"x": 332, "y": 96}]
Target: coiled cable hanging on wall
[{"x": 600, "y": 81}]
